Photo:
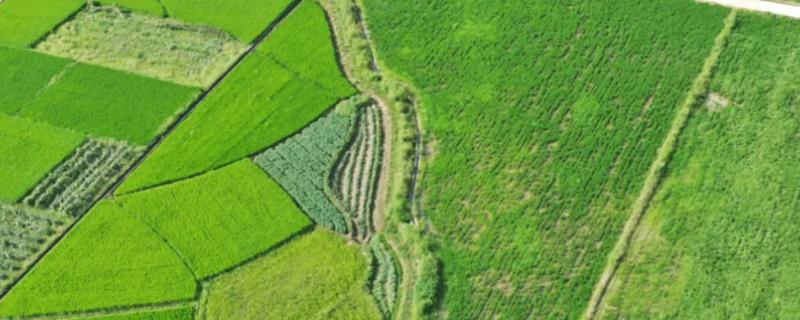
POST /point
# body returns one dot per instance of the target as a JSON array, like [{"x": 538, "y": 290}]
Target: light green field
[
  {"x": 110, "y": 259},
  {"x": 720, "y": 238},
  {"x": 28, "y": 150},
  {"x": 184, "y": 313},
  {"x": 317, "y": 276},
  {"x": 165, "y": 49},
  {"x": 23, "y": 22},
  {"x": 261, "y": 102},
  {"x": 220, "y": 219},
  {"x": 107, "y": 103}
]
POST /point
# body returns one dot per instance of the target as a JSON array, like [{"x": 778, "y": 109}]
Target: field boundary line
[
  {"x": 116, "y": 311},
  {"x": 153, "y": 145},
  {"x": 658, "y": 169},
  {"x": 57, "y": 26}
]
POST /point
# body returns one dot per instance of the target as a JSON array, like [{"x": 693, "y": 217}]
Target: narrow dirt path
[
  {"x": 777, "y": 8},
  {"x": 658, "y": 169}
]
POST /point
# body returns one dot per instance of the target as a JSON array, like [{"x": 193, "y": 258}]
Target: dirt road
[{"x": 776, "y": 8}]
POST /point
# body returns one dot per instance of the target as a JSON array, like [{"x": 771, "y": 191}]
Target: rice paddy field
[{"x": 393, "y": 160}]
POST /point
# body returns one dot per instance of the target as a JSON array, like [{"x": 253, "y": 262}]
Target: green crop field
[
  {"x": 23, "y": 22},
  {"x": 317, "y": 276},
  {"x": 28, "y": 150},
  {"x": 109, "y": 260},
  {"x": 260, "y": 103},
  {"x": 719, "y": 238},
  {"x": 542, "y": 137},
  {"x": 165, "y": 49},
  {"x": 107, "y": 103},
  {"x": 399, "y": 160},
  {"x": 219, "y": 219}
]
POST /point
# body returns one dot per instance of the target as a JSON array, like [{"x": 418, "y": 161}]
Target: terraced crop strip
[
  {"x": 356, "y": 174},
  {"x": 302, "y": 164},
  {"x": 162, "y": 48},
  {"x": 719, "y": 239},
  {"x": 273, "y": 93},
  {"x": 23, "y": 233},
  {"x": 542, "y": 125},
  {"x": 385, "y": 277},
  {"x": 78, "y": 182}
]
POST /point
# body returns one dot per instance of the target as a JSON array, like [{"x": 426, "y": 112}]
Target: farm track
[
  {"x": 109, "y": 193},
  {"x": 658, "y": 169}
]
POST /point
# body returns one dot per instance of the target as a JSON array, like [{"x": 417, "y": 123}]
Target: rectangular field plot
[
  {"x": 219, "y": 219},
  {"x": 23, "y": 22},
  {"x": 721, "y": 236},
  {"x": 261, "y": 102},
  {"x": 28, "y": 151},
  {"x": 22, "y": 74},
  {"x": 106, "y": 103},
  {"x": 545, "y": 122},
  {"x": 161, "y": 48},
  {"x": 110, "y": 259},
  {"x": 245, "y": 19},
  {"x": 317, "y": 276}
]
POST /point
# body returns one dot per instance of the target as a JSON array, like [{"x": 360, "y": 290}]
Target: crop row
[
  {"x": 302, "y": 163},
  {"x": 385, "y": 277},
  {"x": 23, "y": 233},
  {"x": 354, "y": 180},
  {"x": 74, "y": 185}
]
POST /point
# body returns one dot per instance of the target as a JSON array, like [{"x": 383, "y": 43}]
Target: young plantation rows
[{"x": 135, "y": 194}]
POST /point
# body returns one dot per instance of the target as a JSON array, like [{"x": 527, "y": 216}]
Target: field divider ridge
[
  {"x": 658, "y": 169},
  {"x": 116, "y": 311},
  {"x": 109, "y": 193}
]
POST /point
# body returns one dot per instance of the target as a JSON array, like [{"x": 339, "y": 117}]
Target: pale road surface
[{"x": 777, "y": 8}]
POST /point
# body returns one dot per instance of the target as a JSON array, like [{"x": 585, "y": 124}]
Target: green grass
[
  {"x": 28, "y": 151},
  {"x": 110, "y": 259},
  {"x": 22, "y": 74},
  {"x": 245, "y": 19},
  {"x": 539, "y": 140},
  {"x": 161, "y": 48},
  {"x": 261, "y": 102},
  {"x": 23, "y": 22},
  {"x": 106, "y": 103},
  {"x": 719, "y": 239},
  {"x": 182, "y": 313},
  {"x": 220, "y": 219},
  {"x": 317, "y": 276},
  {"x": 145, "y": 6}
]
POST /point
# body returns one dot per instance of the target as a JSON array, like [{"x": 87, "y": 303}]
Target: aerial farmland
[{"x": 393, "y": 160}]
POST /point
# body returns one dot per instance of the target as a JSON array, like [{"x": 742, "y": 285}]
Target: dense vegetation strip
[
  {"x": 317, "y": 276},
  {"x": 272, "y": 94},
  {"x": 303, "y": 162},
  {"x": 83, "y": 178},
  {"x": 385, "y": 277},
  {"x": 28, "y": 150},
  {"x": 538, "y": 138},
  {"x": 719, "y": 239},
  {"x": 108, "y": 260},
  {"x": 162, "y": 48},
  {"x": 23, "y": 234},
  {"x": 355, "y": 176},
  {"x": 220, "y": 219},
  {"x": 659, "y": 166},
  {"x": 181, "y": 313},
  {"x": 24, "y": 22}
]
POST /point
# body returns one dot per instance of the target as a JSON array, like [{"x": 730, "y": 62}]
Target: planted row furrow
[
  {"x": 384, "y": 277},
  {"x": 77, "y": 182}
]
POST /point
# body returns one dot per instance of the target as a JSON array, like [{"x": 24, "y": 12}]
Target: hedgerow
[
  {"x": 537, "y": 138},
  {"x": 28, "y": 150},
  {"x": 23, "y": 22},
  {"x": 79, "y": 181},
  {"x": 23, "y": 234},
  {"x": 220, "y": 219},
  {"x": 110, "y": 259},
  {"x": 261, "y": 102}
]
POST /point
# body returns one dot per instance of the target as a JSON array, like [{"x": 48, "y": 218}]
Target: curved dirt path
[{"x": 777, "y": 8}]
